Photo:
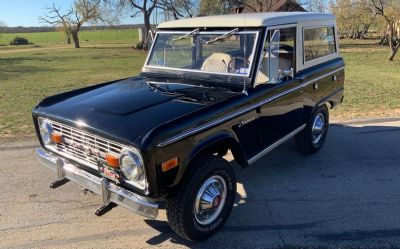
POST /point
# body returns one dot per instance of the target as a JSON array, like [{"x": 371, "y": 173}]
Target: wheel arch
[
  {"x": 215, "y": 143},
  {"x": 327, "y": 103}
]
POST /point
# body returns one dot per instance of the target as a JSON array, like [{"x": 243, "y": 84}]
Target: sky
[{"x": 26, "y": 12}]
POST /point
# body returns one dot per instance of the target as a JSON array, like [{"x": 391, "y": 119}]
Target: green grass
[
  {"x": 86, "y": 37},
  {"x": 372, "y": 86},
  {"x": 27, "y": 75}
]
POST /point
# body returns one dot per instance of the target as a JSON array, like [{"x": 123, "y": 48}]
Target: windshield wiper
[
  {"x": 224, "y": 36},
  {"x": 186, "y": 35}
]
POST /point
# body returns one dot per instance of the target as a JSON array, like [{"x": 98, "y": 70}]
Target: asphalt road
[{"x": 347, "y": 194}]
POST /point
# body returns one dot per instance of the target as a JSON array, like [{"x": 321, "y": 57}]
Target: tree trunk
[
  {"x": 394, "y": 52},
  {"x": 147, "y": 27},
  {"x": 75, "y": 37},
  {"x": 393, "y": 47}
]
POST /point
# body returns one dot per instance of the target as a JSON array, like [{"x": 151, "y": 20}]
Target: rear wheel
[
  {"x": 204, "y": 200},
  {"x": 312, "y": 138}
]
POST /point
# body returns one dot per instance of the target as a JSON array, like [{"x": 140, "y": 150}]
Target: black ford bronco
[{"x": 242, "y": 84}]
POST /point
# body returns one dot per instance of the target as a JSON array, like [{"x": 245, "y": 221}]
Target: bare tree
[
  {"x": 261, "y": 5},
  {"x": 389, "y": 11},
  {"x": 82, "y": 11},
  {"x": 177, "y": 9},
  {"x": 218, "y": 7},
  {"x": 315, "y": 5},
  {"x": 64, "y": 29},
  {"x": 353, "y": 18},
  {"x": 143, "y": 7}
]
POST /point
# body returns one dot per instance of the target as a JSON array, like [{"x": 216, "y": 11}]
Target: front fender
[{"x": 211, "y": 144}]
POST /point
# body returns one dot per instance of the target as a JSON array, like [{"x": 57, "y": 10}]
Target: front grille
[{"x": 83, "y": 145}]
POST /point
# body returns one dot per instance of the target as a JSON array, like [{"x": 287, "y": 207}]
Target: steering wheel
[{"x": 232, "y": 65}]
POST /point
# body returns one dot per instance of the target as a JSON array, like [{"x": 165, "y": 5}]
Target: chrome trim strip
[
  {"x": 108, "y": 190},
  {"x": 205, "y": 72},
  {"x": 276, "y": 144},
  {"x": 191, "y": 131},
  {"x": 260, "y": 57},
  {"x": 308, "y": 64}
]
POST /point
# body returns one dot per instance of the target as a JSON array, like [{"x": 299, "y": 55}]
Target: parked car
[{"x": 242, "y": 83}]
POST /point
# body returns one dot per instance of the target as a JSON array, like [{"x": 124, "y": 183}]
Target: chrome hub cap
[
  {"x": 210, "y": 200},
  {"x": 318, "y": 128}
]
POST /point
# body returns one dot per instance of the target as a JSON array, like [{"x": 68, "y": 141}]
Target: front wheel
[
  {"x": 204, "y": 200},
  {"x": 312, "y": 138}
]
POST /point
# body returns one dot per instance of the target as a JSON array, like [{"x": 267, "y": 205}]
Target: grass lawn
[
  {"x": 46, "y": 39},
  {"x": 29, "y": 74},
  {"x": 27, "y": 77},
  {"x": 372, "y": 86}
]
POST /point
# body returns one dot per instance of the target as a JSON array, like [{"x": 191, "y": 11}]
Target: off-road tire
[
  {"x": 180, "y": 207},
  {"x": 304, "y": 139}
]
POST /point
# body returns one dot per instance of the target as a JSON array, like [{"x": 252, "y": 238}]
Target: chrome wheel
[
  {"x": 210, "y": 200},
  {"x": 318, "y": 128}
]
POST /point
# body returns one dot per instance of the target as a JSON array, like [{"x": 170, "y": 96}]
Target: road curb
[
  {"x": 27, "y": 144},
  {"x": 366, "y": 121}
]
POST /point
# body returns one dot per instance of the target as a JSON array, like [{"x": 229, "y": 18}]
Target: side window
[
  {"x": 318, "y": 42},
  {"x": 278, "y": 57}
]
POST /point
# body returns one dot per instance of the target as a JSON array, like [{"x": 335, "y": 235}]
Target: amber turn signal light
[
  {"x": 56, "y": 138},
  {"x": 169, "y": 164},
  {"x": 112, "y": 160}
]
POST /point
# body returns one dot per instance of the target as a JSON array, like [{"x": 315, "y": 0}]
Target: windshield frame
[{"x": 253, "y": 55}]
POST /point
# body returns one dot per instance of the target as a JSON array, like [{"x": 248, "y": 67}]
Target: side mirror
[{"x": 286, "y": 73}]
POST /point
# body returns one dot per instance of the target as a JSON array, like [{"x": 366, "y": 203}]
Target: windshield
[{"x": 223, "y": 52}]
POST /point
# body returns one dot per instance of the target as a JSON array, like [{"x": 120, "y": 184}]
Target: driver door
[{"x": 283, "y": 111}]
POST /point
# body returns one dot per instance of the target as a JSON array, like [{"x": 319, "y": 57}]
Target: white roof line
[{"x": 247, "y": 20}]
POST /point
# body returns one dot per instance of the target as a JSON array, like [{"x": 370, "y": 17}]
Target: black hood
[{"x": 130, "y": 109}]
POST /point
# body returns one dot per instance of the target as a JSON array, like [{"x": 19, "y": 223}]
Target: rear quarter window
[{"x": 318, "y": 43}]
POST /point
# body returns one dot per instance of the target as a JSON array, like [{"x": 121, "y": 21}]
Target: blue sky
[{"x": 26, "y": 12}]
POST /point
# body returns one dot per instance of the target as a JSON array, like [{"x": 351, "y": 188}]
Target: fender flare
[{"x": 221, "y": 139}]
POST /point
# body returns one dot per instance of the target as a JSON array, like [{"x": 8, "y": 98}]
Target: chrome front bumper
[{"x": 109, "y": 191}]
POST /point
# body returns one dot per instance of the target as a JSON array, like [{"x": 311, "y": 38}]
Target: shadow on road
[{"x": 332, "y": 196}]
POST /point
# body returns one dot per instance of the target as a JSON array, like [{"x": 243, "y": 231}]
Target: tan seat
[
  {"x": 262, "y": 74},
  {"x": 217, "y": 63}
]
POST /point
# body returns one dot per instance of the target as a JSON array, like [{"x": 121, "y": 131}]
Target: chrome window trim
[
  {"x": 202, "y": 127},
  {"x": 199, "y": 71},
  {"x": 291, "y": 25},
  {"x": 307, "y": 64}
]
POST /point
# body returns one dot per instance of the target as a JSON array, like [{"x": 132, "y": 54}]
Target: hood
[{"x": 129, "y": 109}]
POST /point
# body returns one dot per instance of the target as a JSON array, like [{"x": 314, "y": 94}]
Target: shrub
[
  {"x": 385, "y": 41},
  {"x": 19, "y": 41}
]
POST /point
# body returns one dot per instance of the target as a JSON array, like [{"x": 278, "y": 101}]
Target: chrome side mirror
[{"x": 286, "y": 73}]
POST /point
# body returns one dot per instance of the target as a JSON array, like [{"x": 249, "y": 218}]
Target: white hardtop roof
[{"x": 248, "y": 20}]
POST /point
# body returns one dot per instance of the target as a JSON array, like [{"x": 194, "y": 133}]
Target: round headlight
[
  {"x": 132, "y": 166},
  {"x": 45, "y": 130}
]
